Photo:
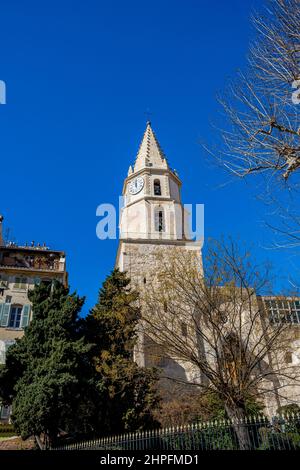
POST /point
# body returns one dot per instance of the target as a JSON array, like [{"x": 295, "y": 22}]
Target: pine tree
[
  {"x": 78, "y": 375},
  {"x": 48, "y": 378},
  {"x": 112, "y": 326}
]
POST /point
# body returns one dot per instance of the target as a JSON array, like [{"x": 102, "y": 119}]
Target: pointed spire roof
[{"x": 150, "y": 153}]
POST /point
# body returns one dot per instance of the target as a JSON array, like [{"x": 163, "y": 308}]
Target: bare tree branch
[
  {"x": 262, "y": 105},
  {"x": 231, "y": 342}
]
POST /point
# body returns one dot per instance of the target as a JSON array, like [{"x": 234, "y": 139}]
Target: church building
[{"x": 153, "y": 219}]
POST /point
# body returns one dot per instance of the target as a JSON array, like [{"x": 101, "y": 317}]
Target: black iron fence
[{"x": 255, "y": 433}]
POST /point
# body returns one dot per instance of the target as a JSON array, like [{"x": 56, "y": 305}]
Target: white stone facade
[{"x": 153, "y": 220}]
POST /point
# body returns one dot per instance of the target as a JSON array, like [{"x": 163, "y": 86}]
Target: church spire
[{"x": 150, "y": 153}]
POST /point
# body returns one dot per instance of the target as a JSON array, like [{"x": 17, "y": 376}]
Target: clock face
[{"x": 136, "y": 185}]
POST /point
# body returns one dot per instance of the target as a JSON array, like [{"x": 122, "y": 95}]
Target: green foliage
[
  {"x": 130, "y": 390},
  {"x": 215, "y": 408},
  {"x": 253, "y": 407},
  {"x": 214, "y": 405},
  {"x": 210, "y": 438},
  {"x": 114, "y": 318},
  {"x": 7, "y": 430},
  {"x": 189, "y": 407},
  {"x": 78, "y": 375},
  {"x": 288, "y": 409},
  {"x": 279, "y": 440}
]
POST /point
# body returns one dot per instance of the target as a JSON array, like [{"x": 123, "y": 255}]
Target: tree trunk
[
  {"x": 39, "y": 442},
  {"x": 237, "y": 416}
]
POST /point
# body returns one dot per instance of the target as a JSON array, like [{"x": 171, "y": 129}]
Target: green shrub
[{"x": 7, "y": 430}]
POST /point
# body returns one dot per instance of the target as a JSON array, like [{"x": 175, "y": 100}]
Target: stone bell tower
[{"x": 152, "y": 217}]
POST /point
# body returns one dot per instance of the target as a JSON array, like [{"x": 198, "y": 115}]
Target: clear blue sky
[{"x": 80, "y": 75}]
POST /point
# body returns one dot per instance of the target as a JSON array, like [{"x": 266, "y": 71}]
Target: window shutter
[
  {"x": 25, "y": 316},
  {"x": 1, "y": 309},
  {"x": 5, "y": 314}
]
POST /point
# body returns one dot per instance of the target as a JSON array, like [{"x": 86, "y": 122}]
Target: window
[
  {"x": 283, "y": 311},
  {"x": 157, "y": 188},
  {"x": 8, "y": 299},
  {"x": 159, "y": 221},
  {"x": 20, "y": 283},
  {"x": 15, "y": 316},
  {"x": 3, "y": 281},
  {"x": 4, "y": 412},
  {"x": 288, "y": 357},
  {"x": 46, "y": 282}
]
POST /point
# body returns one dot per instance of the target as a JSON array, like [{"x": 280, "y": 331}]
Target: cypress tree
[{"x": 130, "y": 390}]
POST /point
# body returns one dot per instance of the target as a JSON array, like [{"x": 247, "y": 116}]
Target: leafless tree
[
  {"x": 215, "y": 327},
  {"x": 262, "y": 105}
]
